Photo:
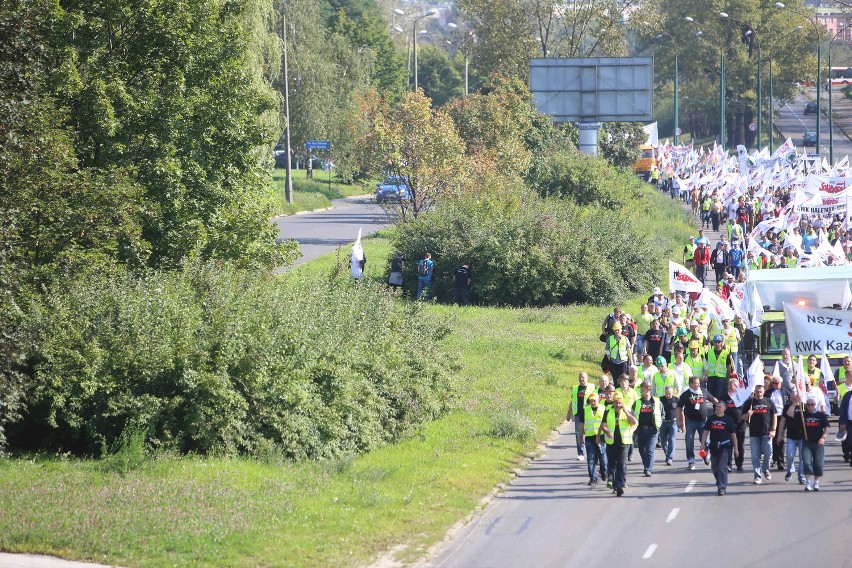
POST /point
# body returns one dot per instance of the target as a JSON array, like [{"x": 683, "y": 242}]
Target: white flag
[
  {"x": 681, "y": 279},
  {"x": 653, "y": 136},
  {"x": 357, "y": 258},
  {"x": 755, "y": 374}
]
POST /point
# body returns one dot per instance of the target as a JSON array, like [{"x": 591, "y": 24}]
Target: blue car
[{"x": 393, "y": 188}]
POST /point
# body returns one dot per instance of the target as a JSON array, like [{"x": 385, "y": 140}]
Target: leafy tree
[
  {"x": 619, "y": 142},
  {"x": 368, "y": 32},
  {"x": 437, "y": 75},
  {"x": 417, "y": 143},
  {"x": 505, "y": 37},
  {"x": 170, "y": 96}
]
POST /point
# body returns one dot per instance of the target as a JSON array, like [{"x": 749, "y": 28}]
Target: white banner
[
  {"x": 682, "y": 280},
  {"x": 818, "y": 330},
  {"x": 831, "y": 190},
  {"x": 714, "y": 303}
]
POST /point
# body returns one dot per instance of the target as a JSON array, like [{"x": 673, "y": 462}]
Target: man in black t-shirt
[
  {"x": 722, "y": 432},
  {"x": 461, "y": 284},
  {"x": 760, "y": 414},
  {"x": 655, "y": 339},
  {"x": 691, "y": 415},
  {"x": 736, "y": 414},
  {"x": 791, "y": 422},
  {"x": 668, "y": 429},
  {"x": 813, "y": 448}
]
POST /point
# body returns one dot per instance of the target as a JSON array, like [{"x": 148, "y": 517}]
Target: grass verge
[
  {"x": 311, "y": 194},
  {"x": 517, "y": 365}
]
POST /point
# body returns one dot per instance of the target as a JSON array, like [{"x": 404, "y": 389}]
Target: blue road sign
[{"x": 318, "y": 145}]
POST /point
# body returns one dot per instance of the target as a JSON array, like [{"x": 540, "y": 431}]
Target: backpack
[{"x": 423, "y": 268}]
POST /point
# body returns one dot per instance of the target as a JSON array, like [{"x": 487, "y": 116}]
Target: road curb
[{"x": 283, "y": 215}]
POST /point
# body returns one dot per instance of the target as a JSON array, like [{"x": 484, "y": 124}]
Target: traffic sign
[
  {"x": 317, "y": 145},
  {"x": 752, "y": 127},
  {"x": 678, "y": 131}
]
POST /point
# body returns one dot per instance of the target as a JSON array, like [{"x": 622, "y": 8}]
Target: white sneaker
[
  {"x": 581, "y": 458},
  {"x": 816, "y": 485},
  {"x": 757, "y": 481}
]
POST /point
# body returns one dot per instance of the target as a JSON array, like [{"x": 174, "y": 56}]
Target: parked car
[
  {"x": 392, "y": 188},
  {"x": 809, "y": 139},
  {"x": 280, "y": 155},
  {"x": 811, "y": 108}
]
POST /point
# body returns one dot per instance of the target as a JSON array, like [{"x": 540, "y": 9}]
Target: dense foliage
[
  {"x": 215, "y": 359},
  {"x": 531, "y": 251}
]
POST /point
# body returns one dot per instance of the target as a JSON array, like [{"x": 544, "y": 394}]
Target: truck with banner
[{"x": 795, "y": 309}]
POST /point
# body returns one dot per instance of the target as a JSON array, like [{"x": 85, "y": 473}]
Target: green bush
[
  {"x": 530, "y": 252},
  {"x": 213, "y": 359},
  {"x": 586, "y": 181}
]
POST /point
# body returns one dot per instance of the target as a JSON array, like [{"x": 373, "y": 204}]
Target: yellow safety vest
[
  {"x": 717, "y": 364},
  {"x": 629, "y": 395},
  {"x": 658, "y": 413},
  {"x": 661, "y": 382},
  {"x": 617, "y": 350},
  {"x": 697, "y": 365},
  {"x": 623, "y": 427},
  {"x": 842, "y": 389},
  {"x": 592, "y": 419},
  {"x": 814, "y": 376},
  {"x": 731, "y": 342}
]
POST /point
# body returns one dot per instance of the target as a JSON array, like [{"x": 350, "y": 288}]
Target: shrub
[
  {"x": 530, "y": 251},
  {"x": 213, "y": 359}
]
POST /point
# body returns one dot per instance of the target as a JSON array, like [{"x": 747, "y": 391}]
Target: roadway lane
[
  {"x": 324, "y": 231},
  {"x": 793, "y": 123},
  {"x": 549, "y": 517}
]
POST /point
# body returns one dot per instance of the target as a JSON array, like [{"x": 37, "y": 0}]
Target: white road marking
[
  {"x": 689, "y": 486},
  {"x": 649, "y": 552},
  {"x": 672, "y": 515}
]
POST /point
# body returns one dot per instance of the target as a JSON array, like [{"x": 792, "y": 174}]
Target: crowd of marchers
[{"x": 674, "y": 369}]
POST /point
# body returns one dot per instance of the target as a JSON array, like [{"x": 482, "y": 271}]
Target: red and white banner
[{"x": 682, "y": 280}]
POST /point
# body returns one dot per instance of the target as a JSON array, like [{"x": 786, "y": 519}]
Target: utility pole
[{"x": 288, "y": 178}]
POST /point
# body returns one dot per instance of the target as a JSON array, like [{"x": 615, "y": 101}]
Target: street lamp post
[
  {"x": 722, "y": 118},
  {"x": 753, "y": 33},
  {"x": 676, "y": 109},
  {"x": 771, "y": 96},
  {"x": 428, "y": 14},
  {"x": 816, "y": 27},
  {"x": 288, "y": 176},
  {"x": 465, "y": 38},
  {"x": 830, "y": 94}
]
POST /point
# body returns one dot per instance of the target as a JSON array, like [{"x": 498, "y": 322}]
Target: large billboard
[{"x": 593, "y": 89}]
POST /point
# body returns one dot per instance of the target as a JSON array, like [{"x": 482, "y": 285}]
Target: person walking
[
  {"x": 702, "y": 261},
  {"x": 397, "y": 265},
  {"x": 813, "y": 447},
  {"x": 779, "y": 397},
  {"x": 760, "y": 414},
  {"x": 723, "y": 442},
  {"x": 649, "y": 415},
  {"x": 719, "y": 364},
  {"x": 595, "y": 453},
  {"x": 668, "y": 429},
  {"x": 691, "y": 416},
  {"x": 617, "y": 430},
  {"x": 792, "y": 425},
  {"x": 461, "y": 284},
  {"x": 618, "y": 353},
  {"x": 733, "y": 408},
  {"x": 579, "y": 393},
  {"x": 424, "y": 276}
]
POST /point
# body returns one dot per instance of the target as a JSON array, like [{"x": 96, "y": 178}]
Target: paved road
[
  {"x": 793, "y": 123},
  {"x": 323, "y": 231},
  {"x": 549, "y": 517}
]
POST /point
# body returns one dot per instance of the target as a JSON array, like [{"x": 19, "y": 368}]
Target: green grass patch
[
  {"x": 312, "y": 194},
  {"x": 517, "y": 367}
]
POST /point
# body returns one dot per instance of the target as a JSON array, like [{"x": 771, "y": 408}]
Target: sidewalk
[{"x": 39, "y": 561}]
